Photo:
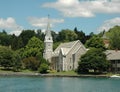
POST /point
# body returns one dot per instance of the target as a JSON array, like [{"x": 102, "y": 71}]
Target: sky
[{"x": 87, "y": 15}]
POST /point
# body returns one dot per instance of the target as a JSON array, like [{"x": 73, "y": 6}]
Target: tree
[
  {"x": 54, "y": 35},
  {"x": 67, "y": 35},
  {"x": 26, "y": 35},
  {"x": 40, "y": 35},
  {"x": 41, "y": 59},
  {"x": 95, "y": 60},
  {"x": 5, "y": 39},
  {"x": 33, "y": 47},
  {"x": 34, "y": 42},
  {"x": 17, "y": 64},
  {"x": 55, "y": 45},
  {"x": 16, "y": 43},
  {"x": 6, "y": 57},
  {"x": 95, "y": 42},
  {"x": 32, "y": 54},
  {"x": 80, "y": 35},
  {"x": 114, "y": 37}
]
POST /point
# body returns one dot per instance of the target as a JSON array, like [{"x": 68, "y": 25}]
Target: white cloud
[
  {"x": 42, "y": 22},
  {"x": 10, "y": 24},
  {"x": 109, "y": 24},
  {"x": 84, "y": 8},
  {"x": 17, "y": 31}
]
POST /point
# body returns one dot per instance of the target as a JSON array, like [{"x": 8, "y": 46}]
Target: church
[{"x": 66, "y": 56}]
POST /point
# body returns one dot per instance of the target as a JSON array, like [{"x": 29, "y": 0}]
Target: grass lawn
[
  {"x": 2, "y": 70},
  {"x": 28, "y": 71},
  {"x": 64, "y": 73},
  {"x": 5, "y": 71}
]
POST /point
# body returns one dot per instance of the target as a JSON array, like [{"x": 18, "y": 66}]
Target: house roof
[
  {"x": 65, "y": 47},
  {"x": 113, "y": 54}
]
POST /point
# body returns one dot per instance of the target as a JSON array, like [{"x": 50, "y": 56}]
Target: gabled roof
[
  {"x": 113, "y": 54},
  {"x": 65, "y": 50},
  {"x": 65, "y": 47}
]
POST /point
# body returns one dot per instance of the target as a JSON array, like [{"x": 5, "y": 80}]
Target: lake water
[{"x": 58, "y": 84}]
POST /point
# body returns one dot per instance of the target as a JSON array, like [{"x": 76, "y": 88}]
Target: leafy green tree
[
  {"x": 5, "y": 39},
  {"x": 101, "y": 34},
  {"x": 43, "y": 68},
  {"x": 91, "y": 34},
  {"x": 80, "y": 35},
  {"x": 40, "y": 35},
  {"x": 17, "y": 64},
  {"x": 95, "y": 60},
  {"x": 33, "y": 47},
  {"x": 34, "y": 42},
  {"x": 6, "y": 57},
  {"x": 114, "y": 37},
  {"x": 41, "y": 59},
  {"x": 16, "y": 42},
  {"x": 95, "y": 42},
  {"x": 32, "y": 54},
  {"x": 55, "y": 45},
  {"x": 19, "y": 43},
  {"x": 67, "y": 35},
  {"x": 54, "y": 35},
  {"x": 26, "y": 35}
]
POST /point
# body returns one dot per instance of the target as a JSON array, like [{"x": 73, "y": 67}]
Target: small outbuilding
[{"x": 114, "y": 57}]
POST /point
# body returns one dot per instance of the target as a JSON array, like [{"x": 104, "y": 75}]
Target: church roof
[
  {"x": 113, "y": 54},
  {"x": 65, "y": 47},
  {"x": 65, "y": 50}
]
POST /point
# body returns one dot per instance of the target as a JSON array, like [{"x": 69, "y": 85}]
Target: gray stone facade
[{"x": 67, "y": 55}]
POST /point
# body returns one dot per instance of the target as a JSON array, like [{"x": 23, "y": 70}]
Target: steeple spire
[
  {"x": 48, "y": 36},
  {"x": 48, "y": 32}
]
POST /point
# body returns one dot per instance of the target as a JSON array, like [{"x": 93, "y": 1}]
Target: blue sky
[{"x": 87, "y": 15}]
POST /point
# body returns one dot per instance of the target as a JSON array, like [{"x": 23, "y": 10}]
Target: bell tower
[{"x": 48, "y": 43}]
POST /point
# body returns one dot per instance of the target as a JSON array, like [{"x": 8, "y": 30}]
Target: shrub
[
  {"x": 43, "y": 68},
  {"x": 31, "y": 63}
]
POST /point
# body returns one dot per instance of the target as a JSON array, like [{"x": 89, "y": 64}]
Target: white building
[{"x": 66, "y": 56}]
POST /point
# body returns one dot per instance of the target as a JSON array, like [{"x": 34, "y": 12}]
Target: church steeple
[
  {"x": 48, "y": 36},
  {"x": 48, "y": 43}
]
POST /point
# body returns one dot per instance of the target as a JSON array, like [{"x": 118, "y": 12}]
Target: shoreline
[{"x": 19, "y": 74}]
